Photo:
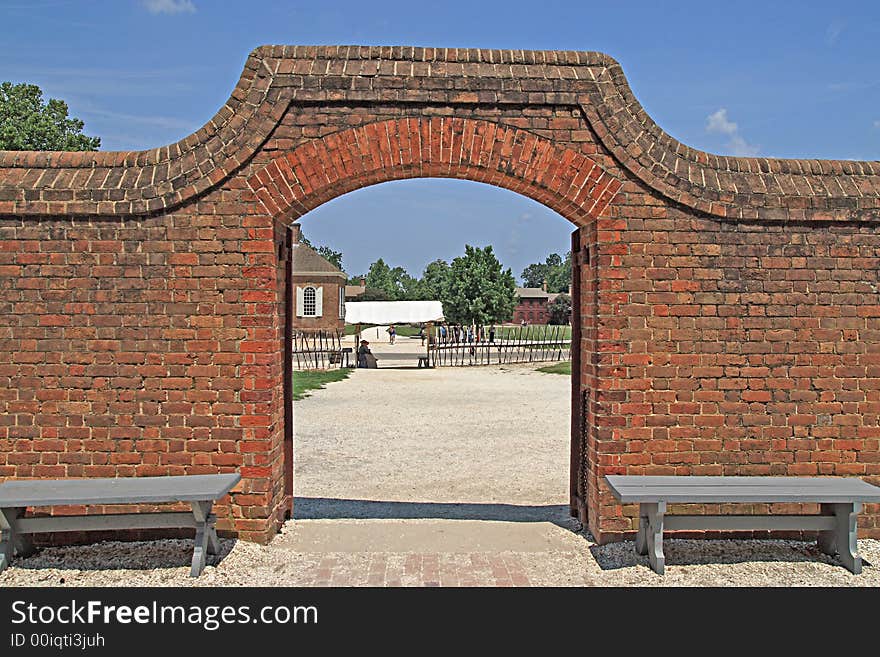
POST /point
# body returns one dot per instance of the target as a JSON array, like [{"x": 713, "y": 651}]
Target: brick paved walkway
[{"x": 426, "y": 569}]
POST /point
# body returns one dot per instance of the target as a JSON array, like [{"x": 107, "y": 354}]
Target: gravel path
[
  {"x": 438, "y": 477},
  {"x": 486, "y": 435}
]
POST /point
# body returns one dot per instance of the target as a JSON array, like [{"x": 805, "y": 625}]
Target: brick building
[
  {"x": 318, "y": 287},
  {"x": 726, "y": 310},
  {"x": 532, "y": 305}
]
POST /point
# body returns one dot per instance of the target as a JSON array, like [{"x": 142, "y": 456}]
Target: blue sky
[{"x": 779, "y": 79}]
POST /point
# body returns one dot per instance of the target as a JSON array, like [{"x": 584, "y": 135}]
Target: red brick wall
[
  {"x": 125, "y": 350},
  {"x": 741, "y": 348},
  {"x": 728, "y": 305}
]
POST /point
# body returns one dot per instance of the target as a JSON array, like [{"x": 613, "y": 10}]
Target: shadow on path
[
  {"x": 326, "y": 508},
  {"x": 693, "y": 552}
]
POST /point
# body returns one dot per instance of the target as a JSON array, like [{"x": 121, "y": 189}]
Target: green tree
[
  {"x": 432, "y": 285},
  {"x": 556, "y": 270},
  {"x": 396, "y": 283},
  {"x": 560, "y": 276},
  {"x": 330, "y": 255},
  {"x": 560, "y": 309},
  {"x": 374, "y": 294},
  {"x": 479, "y": 289},
  {"x": 534, "y": 275},
  {"x": 29, "y": 124}
]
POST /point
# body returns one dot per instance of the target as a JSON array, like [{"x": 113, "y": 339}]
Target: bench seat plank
[
  {"x": 201, "y": 491},
  {"x": 698, "y": 489},
  {"x": 840, "y": 500},
  {"x": 122, "y": 490}
]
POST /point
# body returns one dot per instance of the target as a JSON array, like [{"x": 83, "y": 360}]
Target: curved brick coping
[
  {"x": 142, "y": 182},
  {"x": 564, "y": 180},
  {"x": 737, "y": 187}
]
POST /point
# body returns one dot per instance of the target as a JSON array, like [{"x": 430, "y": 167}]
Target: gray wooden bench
[
  {"x": 840, "y": 500},
  {"x": 201, "y": 491}
]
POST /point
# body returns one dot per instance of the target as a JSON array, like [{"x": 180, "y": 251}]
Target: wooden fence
[
  {"x": 320, "y": 350},
  {"x": 484, "y": 345}
]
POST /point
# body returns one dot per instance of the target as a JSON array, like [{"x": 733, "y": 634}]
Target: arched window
[{"x": 309, "y": 302}]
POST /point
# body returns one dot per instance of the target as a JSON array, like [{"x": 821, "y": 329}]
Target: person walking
[{"x": 391, "y": 334}]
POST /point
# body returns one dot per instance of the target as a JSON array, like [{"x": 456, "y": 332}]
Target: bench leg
[
  {"x": 642, "y": 535},
  {"x": 11, "y": 541},
  {"x": 7, "y": 537},
  {"x": 842, "y": 539},
  {"x": 206, "y": 541},
  {"x": 654, "y": 532},
  {"x": 22, "y": 543}
]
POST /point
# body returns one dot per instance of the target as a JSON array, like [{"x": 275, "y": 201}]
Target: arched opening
[
  {"x": 569, "y": 182},
  {"x": 464, "y": 443}
]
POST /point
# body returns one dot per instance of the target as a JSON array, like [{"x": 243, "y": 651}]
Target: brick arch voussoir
[{"x": 560, "y": 178}]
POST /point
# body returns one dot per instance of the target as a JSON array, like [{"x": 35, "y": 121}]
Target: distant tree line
[
  {"x": 556, "y": 270},
  {"x": 474, "y": 287}
]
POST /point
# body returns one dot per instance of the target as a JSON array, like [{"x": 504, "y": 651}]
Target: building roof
[
  {"x": 354, "y": 290},
  {"x": 307, "y": 261},
  {"x": 531, "y": 293}
]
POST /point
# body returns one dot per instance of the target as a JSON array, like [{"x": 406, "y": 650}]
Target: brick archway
[
  {"x": 504, "y": 156},
  {"x": 730, "y": 306},
  {"x": 564, "y": 180}
]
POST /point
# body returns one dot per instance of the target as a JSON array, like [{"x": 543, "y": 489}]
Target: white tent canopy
[{"x": 392, "y": 312}]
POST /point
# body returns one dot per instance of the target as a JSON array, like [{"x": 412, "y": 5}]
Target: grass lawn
[
  {"x": 558, "y": 368},
  {"x": 304, "y": 381},
  {"x": 534, "y": 332}
]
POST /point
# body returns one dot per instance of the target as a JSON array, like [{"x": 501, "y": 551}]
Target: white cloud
[
  {"x": 169, "y": 6},
  {"x": 718, "y": 122},
  {"x": 877, "y": 124}
]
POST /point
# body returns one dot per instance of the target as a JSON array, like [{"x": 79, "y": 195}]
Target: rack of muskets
[
  {"x": 319, "y": 350},
  {"x": 462, "y": 346}
]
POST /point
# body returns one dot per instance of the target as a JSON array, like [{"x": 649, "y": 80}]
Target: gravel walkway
[{"x": 435, "y": 478}]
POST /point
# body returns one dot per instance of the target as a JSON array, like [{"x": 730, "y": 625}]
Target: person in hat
[{"x": 365, "y": 356}]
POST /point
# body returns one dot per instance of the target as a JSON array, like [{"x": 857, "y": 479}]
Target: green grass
[
  {"x": 304, "y": 381},
  {"x": 558, "y": 368},
  {"x": 533, "y": 332}
]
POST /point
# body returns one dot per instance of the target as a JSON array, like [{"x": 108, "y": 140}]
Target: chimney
[
  {"x": 295, "y": 233},
  {"x": 363, "y": 282},
  {"x": 544, "y": 285}
]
